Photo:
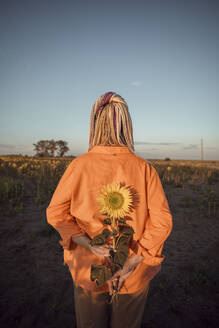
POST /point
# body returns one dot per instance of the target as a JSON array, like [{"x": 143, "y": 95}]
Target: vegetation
[
  {"x": 46, "y": 148},
  {"x": 185, "y": 291},
  {"x": 22, "y": 178}
]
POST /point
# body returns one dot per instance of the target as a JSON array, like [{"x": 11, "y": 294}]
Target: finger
[
  {"x": 120, "y": 283},
  {"x": 109, "y": 283},
  {"x": 99, "y": 255},
  {"x": 108, "y": 259},
  {"x": 102, "y": 252},
  {"x": 116, "y": 275},
  {"x": 123, "y": 278},
  {"x": 105, "y": 251}
]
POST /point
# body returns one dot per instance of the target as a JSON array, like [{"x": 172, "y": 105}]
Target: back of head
[{"x": 110, "y": 122}]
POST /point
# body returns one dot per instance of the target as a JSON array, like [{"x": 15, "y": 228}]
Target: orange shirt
[{"x": 73, "y": 211}]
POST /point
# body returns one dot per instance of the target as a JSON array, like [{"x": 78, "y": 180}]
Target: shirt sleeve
[
  {"x": 159, "y": 222},
  {"x": 58, "y": 212}
]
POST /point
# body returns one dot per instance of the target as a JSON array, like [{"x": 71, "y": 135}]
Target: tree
[
  {"x": 46, "y": 148},
  {"x": 41, "y": 148},
  {"x": 52, "y": 147},
  {"x": 63, "y": 148}
]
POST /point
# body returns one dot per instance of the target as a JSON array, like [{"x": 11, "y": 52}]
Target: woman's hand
[
  {"x": 101, "y": 251},
  {"x": 121, "y": 275},
  {"x": 84, "y": 240}
]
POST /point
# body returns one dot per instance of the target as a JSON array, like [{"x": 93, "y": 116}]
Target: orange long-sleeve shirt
[{"x": 73, "y": 211}]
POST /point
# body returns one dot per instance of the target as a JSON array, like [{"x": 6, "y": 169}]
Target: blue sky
[{"x": 58, "y": 56}]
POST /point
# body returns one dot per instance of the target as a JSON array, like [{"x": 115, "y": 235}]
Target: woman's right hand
[{"x": 101, "y": 251}]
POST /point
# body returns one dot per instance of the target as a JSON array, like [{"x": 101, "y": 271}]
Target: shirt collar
[{"x": 110, "y": 149}]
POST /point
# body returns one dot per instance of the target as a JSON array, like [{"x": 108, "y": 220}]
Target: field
[{"x": 37, "y": 289}]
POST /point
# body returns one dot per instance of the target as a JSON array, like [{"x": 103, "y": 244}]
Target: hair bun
[{"x": 106, "y": 100}]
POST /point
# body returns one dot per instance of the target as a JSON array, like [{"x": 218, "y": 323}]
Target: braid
[{"x": 110, "y": 122}]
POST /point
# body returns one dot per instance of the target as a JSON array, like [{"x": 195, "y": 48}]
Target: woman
[{"x": 75, "y": 213}]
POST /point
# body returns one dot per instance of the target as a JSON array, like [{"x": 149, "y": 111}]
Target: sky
[{"x": 162, "y": 57}]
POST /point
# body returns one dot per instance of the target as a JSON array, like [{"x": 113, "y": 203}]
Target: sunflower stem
[
  {"x": 114, "y": 238},
  {"x": 117, "y": 242},
  {"x": 114, "y": 247}
]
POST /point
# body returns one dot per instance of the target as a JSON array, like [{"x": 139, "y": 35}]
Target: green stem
[
  {"x": 114, "y": 238},
  {"x": 114, "y": 247},
  {"x": 117, "y": 242}
]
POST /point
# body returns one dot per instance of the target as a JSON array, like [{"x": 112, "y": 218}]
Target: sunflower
[{"x": 114, "y": 200}]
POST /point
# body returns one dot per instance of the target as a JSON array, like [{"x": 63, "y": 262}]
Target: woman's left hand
[
  {"x": 121, "y": 275},
  {"x": 101, "y": 251}
]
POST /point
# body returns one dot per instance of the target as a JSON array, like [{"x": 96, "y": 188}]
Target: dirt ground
[{"x": 37, "y": 289}]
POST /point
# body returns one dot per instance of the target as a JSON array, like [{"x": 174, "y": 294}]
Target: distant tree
[
  {"x": 46, "y": 148},
  {"x": 63, "y": 148},
  {"x": 167, "y": 159},
  {"x": 52, "y": 147},
  {"x": 42, "y": 148}
]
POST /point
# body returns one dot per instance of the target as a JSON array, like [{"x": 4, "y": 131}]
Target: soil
[{"x": 37, "y": 289}]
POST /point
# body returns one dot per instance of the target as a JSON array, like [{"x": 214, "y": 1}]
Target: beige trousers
[{"x": 94, "y": 311}]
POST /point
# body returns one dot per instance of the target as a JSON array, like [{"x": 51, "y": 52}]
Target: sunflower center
[{"x": 115, "y": 200}]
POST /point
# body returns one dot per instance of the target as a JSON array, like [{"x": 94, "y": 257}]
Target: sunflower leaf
[
  {"x": 121, "y": 256},
  {"x": 98, "y": 240},
  {"x": 101, "y": 238},
  {"x": 115, "y": 267},
  {"x": 126, "y": 230},
  {"x": 122, "y": 241},
  {"x": 112, "y": 253},
  {"x": 106, "y": 233},
  {"x": 100, "y": 274},
  {"x": 107, "y": 221}
]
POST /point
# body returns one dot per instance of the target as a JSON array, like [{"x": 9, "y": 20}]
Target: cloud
[
  {"x": 156, "y": 143},
  {"x": 136, "y": 83},
  {"x": 191, "y": 147},
  {"x": 7, "y": 146},
  {"x": 8, "y": 149}
]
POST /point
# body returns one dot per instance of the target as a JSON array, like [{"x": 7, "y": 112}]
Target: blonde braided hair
[{"x": 110, "y": 122}]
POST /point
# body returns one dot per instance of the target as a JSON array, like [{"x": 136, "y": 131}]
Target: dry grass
[{"x": 37, "y": 290}]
